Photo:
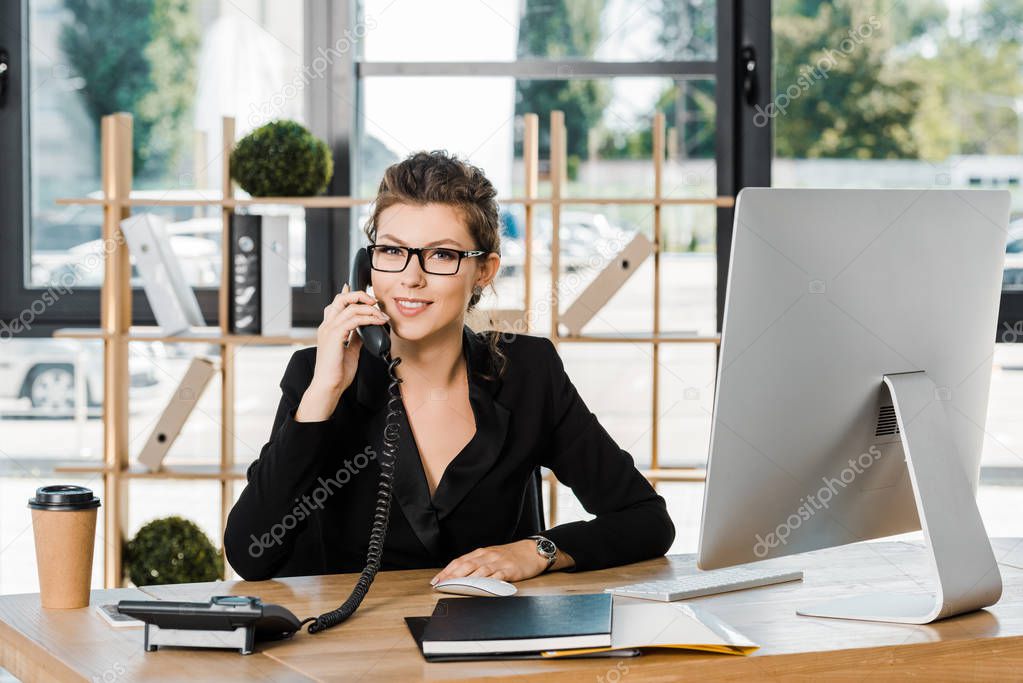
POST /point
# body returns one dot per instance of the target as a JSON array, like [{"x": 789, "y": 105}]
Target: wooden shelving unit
[
  {"x": 116, "y": 330},
  {"x": 559, "y": 165}
]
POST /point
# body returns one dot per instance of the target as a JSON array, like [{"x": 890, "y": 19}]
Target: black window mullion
[
  {"x": 744, "y": 150},
  {"x": 330, "y": 103}
]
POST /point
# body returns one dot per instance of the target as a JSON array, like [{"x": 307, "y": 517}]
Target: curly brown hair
[{"x": 440, "y": 178}]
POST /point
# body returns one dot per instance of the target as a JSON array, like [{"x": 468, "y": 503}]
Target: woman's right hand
[{"x": 335, "y": 364}]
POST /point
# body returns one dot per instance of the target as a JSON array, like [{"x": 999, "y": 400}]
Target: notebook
[
  {"x": 416, "y": 626},
  {"x": 529, "y": 623}
]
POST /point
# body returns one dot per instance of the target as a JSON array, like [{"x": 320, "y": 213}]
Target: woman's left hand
[{"x": 510, "y": 562}]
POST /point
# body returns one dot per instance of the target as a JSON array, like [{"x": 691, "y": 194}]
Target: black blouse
[{"x": 309, "y": 502}]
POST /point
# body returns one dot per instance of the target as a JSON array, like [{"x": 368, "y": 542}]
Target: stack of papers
[{"x": 667, "y": 624}]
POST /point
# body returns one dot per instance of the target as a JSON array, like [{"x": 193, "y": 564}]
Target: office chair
[{"x": 532, "y": 520}]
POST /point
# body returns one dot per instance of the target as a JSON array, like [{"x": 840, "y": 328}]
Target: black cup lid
[{"x": 63, "y": 497}]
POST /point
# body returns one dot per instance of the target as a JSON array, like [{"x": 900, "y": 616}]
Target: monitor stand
[{"x": 960, "y": 552}]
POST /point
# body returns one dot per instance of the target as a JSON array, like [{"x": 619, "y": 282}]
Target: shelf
[
  {"x": 200, "y": 335},
  {"x": 676, "y": 474},
  {"x": 192, "y": 472},
  {"x": 324, "y": 202},
  {"x": 198, "y": 200},
  {"x": 642, "y": 338},
  {"x": 302, "y": 335},
  {"x": 663, "y": 201},
  {"x": 214, "y": 473}
]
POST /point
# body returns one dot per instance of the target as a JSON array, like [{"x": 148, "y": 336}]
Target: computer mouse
[{"x": 477, "y": 585}]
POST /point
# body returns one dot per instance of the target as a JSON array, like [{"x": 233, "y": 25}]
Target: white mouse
[{"x": 477, "y": 585}]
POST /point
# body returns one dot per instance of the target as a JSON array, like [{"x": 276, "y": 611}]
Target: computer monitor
[{"x": 852, "y": 384}]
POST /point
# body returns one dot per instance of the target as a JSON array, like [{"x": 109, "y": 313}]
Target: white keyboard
[{"x": 704, "y": 583}]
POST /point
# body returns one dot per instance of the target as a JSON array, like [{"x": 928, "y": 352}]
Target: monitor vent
[{"x": 887, "y": 424}]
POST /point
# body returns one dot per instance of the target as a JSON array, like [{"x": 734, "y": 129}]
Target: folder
[
  {"x": 675, "y": 625},
  {"x": 608, "y": 281},
  {"x": 275, "y": 311},
  {"x": 169, "y": 294},
  {"x": 176, "y": 413},
  {"x": 245, "y": 283},
  {"x": 260, "y": 288}
]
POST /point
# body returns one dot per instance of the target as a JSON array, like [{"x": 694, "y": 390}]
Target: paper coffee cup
[{"x": 64, "y": 526}]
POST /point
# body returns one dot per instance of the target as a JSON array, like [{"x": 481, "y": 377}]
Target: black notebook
[{"x": 518, "y": 624}]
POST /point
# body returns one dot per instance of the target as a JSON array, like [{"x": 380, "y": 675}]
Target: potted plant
[
  {"x": 171, "y": 550},
  {"x": 282, "y": 159}
]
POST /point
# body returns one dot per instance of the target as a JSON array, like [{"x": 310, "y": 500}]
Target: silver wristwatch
[{"x": 545, "y": 548}]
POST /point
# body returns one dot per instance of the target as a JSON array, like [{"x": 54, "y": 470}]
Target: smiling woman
[{"x": 481, "y": 412}]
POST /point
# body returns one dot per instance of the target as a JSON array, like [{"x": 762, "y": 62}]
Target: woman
[{"x": 481, "y": 413}]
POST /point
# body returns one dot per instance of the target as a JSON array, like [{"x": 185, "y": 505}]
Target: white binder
[
  {"x": 185, "y": 396},
  {"x": 169, "y": 294},
  {"x": 608, "y": 281},
  {"x": 275, "y": 292}
]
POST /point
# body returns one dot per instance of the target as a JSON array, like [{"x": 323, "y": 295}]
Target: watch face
[{"x": 546, "y": 547}]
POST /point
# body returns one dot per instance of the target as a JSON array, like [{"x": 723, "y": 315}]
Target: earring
[{"x": 477, "y": 291}]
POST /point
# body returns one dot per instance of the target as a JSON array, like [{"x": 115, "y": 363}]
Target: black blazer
[{"x": 309, "y": 502}]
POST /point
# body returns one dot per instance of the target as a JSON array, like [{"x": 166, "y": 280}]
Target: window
[
  {"x": 924, "y": 95},
  {"x": 609, "y": 66},
  {"x": 178, "y": 68}
]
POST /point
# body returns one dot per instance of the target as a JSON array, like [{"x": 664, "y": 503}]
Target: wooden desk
[{"x": 375, "y": 644}]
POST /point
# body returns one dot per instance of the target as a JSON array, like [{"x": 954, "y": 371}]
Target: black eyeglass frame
[{"x": 418, "y": 251}]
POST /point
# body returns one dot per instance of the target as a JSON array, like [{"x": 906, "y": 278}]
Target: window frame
[{"x": 81, "y": 308}]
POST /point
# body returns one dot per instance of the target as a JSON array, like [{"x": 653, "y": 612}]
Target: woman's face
[{"x": 430, "y": 225}]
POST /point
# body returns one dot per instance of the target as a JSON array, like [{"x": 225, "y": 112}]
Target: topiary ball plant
[
  {"x": 282, "y": 159},
  {"x": 171, "y": 550}
]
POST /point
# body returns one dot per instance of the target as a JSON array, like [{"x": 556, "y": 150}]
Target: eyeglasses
[{"x": 390, "y": 258}]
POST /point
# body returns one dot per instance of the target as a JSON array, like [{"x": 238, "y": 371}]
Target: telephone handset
[{"x": 377, "y": 340}]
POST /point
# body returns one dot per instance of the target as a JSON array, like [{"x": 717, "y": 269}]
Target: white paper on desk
[{"x": 668, "y": 624}]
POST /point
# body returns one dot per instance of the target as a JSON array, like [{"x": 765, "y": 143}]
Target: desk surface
[{"x": 374, "y": 644}]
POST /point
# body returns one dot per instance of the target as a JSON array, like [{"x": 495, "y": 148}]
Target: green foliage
[
  {"x": 687, "y": 29},
  {"x": 913, "y": 89},
  {"x": 971, "y": 84},
  {"x": 171, "y": 550},
  {"x": 144, "y": 64},
  {"x": 695, "y": 119},
  {"x": 969, "y": 93},
  {"x": 1001, "y": 20},
  {"x": 836, "y": 96},
  {"x": 282, "y": 159},
  {"x": 557, "y": 29}
]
